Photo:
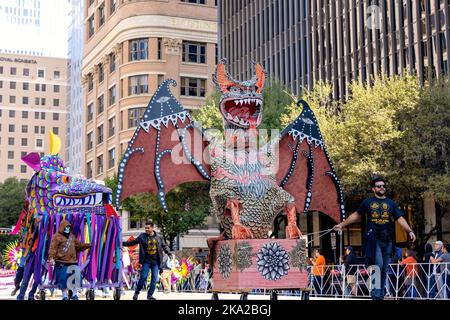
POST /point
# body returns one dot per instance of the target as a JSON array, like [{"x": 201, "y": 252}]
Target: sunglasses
[{"x": 380, "y": 186}]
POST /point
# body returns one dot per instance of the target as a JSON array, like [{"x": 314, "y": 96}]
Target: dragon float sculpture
[
  {"x": 52, "y": 196},
  {"x": 250, "y": 185}
]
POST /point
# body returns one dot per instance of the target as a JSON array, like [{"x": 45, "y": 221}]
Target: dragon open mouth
[
  {"x": 89, "y": 200},
  {"x": 242, "y": 112}
]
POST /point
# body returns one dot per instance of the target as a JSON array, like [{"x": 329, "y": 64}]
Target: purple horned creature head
[{"x": 53, "y": 190}]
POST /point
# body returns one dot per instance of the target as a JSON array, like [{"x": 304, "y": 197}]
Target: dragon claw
[{"x": 241, "y": 232}]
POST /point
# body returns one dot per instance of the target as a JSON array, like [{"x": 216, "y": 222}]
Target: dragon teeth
[
  {"x": 236, "y": 102},
  {"x": 236, "y": 119}
]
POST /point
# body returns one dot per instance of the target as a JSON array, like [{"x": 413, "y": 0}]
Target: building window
[
  {"x": 42, "y": 129},
  {"x": 12, "y": 85},
  {"x": 36, "y": 115},
  {"x": 24, "y": 100},
  {"x": 36, "y": 101},
  {"x": 41, "y": 73},
  {"x": 91, "y": 26},
  {"x": 112, "y": 95},
  {"x": 138, "y": 50},
  {"x": 11, "y": 128},
  {"x": 10, "y": 155},
  {"x": 138, "y": 84},
  {"x": 1, "y": 70},
  {"x": 111, "y": 158},
  {"x": 194, "y": 52},
  {"x": 37, "y": 87},
  {"x": 39, "y": 143},
  {"x": 10, "y": 168},
  {"x": 24, "y": 129},
  {"x": 56, "y": 102},
  {"x": 56, "y": 74},
  {"x": 13, "y": 71},
  {"x": 23, "y": 169},
  {"x": 55, "y": 130},
  {"x": 112, "y": 6},
  {"x": 100, "y": 104},
  {"x": 56, "y": 116},
  {"x": 1, "y": 84},
  {"x": 159, "y": 48},
  {"x": 24, "y": 114},
  {"x": 101, "y": 15},
  {"x": 43, "y": 87},
  {"x": 12, "y": 99},
  {"x": 1, "y": 98},
  {"x": 90, "y": 82},
  {"x": 134, "y": 117},
  {"x": 90, "y": 112},
  {"x": 24, "y": 142},
  {"x": 111, "y": 127},
  {"x": 56, "y": 88},
  {"x": 10, "y": 141},
  {"x": 89, "y": 170},
  {"x": 100, "y": 164},
  {"x": 193, "y": 87},
  {"x": 195, "y": 1},
  {"x": 25, "y": 86},
  {"x": 90, "y": 140},
  {"x": 112, "y": 62},
  {"x": 12, "y": 113},
  {"x": 101, "y": 74},
  {"x": 42, "y": 101},
  {"x": 26, "y": 71},
  {"x": 100, "y": 134}
]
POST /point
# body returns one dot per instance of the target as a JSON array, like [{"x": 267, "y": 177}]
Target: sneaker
[
  {"x": 74, "y": 297},
  {"x": 151, "y": 298},
  {"x": 135, "y": 297},
  {"x": 13, "y": 293},
  {"x": 30, "y": 297}
]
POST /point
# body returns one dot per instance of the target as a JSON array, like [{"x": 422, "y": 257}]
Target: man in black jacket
[{"x": 151, "y": 252}]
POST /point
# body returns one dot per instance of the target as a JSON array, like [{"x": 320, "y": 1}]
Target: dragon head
[
  {"x": 241, "y": 104},
  {"x": 53, "y": 188}
]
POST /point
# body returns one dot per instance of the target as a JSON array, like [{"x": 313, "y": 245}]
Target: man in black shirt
[
  {"x": 380, "y": 212},
  {"x": 151, "y": 252}
]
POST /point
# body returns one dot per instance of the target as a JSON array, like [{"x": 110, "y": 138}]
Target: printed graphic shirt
[
  {"x": 152, "y": 249},
  {"x": 380, "y": 213}
]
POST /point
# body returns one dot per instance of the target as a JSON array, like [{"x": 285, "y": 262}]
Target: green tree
[{"x": 12, "y": 194}]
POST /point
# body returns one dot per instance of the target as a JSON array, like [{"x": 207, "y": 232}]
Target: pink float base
[{"x": 250, "y": 278}]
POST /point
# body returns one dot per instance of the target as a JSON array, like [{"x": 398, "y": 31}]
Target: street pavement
[{"x": 165, "y": 296}]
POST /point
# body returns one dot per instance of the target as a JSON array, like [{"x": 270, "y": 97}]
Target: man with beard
[{"x": 380, "y": 213}]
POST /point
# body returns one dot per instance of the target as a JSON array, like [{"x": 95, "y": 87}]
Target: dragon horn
[
  {"x": 55, "y": 143},
  {"x": 260, "y": 77}
]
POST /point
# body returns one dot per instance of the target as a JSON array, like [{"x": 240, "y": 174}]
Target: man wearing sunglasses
[{"x": 380, "y": 213}]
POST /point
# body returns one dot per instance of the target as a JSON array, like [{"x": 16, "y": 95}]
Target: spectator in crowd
[
  {"x": 429, "y": 280},
  {"x": 444, "y": 269},
  {"x": 410, "y": 262},
  {"x": 438, "y": 245},
  {"x": 350, "y": 263},
  {"x": 318, "y": 271},
  {"x": 166, "y": 277}
]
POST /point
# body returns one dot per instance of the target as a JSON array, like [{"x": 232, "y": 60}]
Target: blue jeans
[
  {"x": 146, "y": 266},
  {"x": 19, "y": 276},
  {"x": 382, "y": 258},
  {"x": 24, "y": 286}
]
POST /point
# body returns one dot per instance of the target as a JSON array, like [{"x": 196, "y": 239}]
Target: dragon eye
[
  {"x": 235, "y": 90},
  {"x": 65, "y": 179}
]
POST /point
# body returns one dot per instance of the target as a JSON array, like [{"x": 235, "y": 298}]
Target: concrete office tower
[
  {"x": 32, "y": 102},
  {"x": 34, "y": 27},
  {"x": 302, "y": 42},
  {"x": 75, "y": 117}
]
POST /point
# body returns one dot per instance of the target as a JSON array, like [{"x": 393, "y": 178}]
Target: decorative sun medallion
[
  {"x": 243, "y": 255},
  {"x": 272, "y": 261},
  {"x": 298, "y": 255},
  {"x": 225, "y": 261}
]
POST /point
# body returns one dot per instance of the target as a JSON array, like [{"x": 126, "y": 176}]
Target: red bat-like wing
[
  {"x": 166, "y": 150},
  {"x": 306, "y": 170}
]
